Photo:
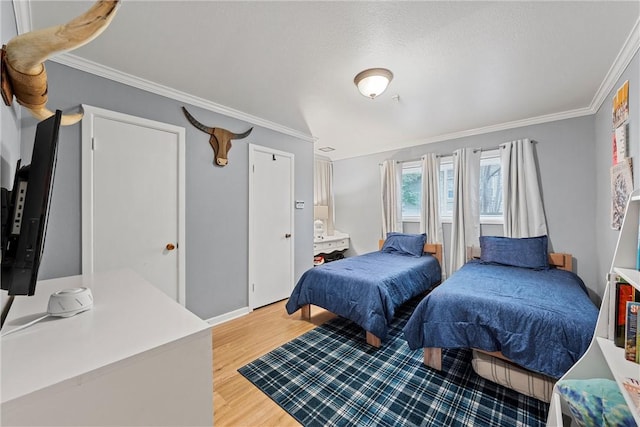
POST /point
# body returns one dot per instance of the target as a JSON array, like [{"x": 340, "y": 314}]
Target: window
[
  {"x": 411, "y": 191},
  {"x": 445, "y": 188},
  {"x": 490, "y": 188}
]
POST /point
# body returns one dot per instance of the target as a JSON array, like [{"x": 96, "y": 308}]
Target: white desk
[
  {"x": 327, "y": 244},
  {"x": 136, "y": 358}
]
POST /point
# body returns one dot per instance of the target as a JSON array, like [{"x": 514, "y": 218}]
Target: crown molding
[
  {"x": 628, "y": 50},
  {"x": 477, "y": 131},
  {"x": 22, "y": 10},
  {"x": 624, "y": 57},
  {"x": 620, "y": 64},
  {"x": 91, "y": 67},
  {"x": 516, "y": 124}
]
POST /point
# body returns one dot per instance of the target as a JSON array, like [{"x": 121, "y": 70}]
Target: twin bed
[
  {"x": 367, "y": 289},
  {"x": 517, "y": 305},
  {"x": 527, "y": 324}
]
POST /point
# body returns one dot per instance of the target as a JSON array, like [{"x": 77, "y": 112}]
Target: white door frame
[
  {"x": 253, "y": 148},
  {"x": 90, "y": 113}
]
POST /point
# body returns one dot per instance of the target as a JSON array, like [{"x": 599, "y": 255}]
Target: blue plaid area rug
[{"x": 331, "y": 377}]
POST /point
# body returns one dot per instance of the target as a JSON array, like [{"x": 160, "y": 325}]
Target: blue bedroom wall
[
  {"x": 565, "y": 152},
  {"x": 606, "y": 236},
  {"x": 216, "y": 198}
]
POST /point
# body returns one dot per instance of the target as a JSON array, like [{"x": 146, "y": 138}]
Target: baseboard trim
[{"x": 217, "y": 320}]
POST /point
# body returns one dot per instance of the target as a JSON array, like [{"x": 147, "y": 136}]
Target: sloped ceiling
[{"x": 459, "y": 67}]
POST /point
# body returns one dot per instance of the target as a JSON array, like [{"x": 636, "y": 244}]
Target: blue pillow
[
  {"x": 404, "y": 244},
  {"x": 596, "y": 402},
  {"x": 528, "y": 252}
]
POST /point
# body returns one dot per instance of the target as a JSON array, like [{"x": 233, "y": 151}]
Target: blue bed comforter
[
  {"x": 367, "y": 288},
  {"x": 542, "y": 320}
]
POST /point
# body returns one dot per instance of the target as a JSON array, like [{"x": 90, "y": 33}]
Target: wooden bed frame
[
  {"x": 433, "y": 355},
  {"x": 434, "y": 249}
]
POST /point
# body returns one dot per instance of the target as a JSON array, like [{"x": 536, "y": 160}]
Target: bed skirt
[{"x": 513, "y": 376}]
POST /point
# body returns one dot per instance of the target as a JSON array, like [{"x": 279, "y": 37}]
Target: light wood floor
[{"x": 236, "y": 401}]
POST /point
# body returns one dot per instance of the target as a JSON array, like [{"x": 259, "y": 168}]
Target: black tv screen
[{"x": 25, "y": 211}]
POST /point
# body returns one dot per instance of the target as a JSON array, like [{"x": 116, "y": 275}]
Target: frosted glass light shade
[{"x": 373, "y": 82}]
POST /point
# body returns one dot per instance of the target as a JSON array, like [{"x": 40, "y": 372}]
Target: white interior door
[
  {"x": 133, "y": 198},
  {"x": 271, "y": 225}
]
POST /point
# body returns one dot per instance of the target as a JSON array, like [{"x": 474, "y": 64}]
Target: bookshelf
[{"x": 603, "y": 359}]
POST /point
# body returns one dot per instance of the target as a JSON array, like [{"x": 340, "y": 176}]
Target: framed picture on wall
[
  {"x": 621, "y": 187},
  {"x": 621, "y": 105}
]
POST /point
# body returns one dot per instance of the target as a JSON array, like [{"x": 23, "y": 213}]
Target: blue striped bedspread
[
  {"x": 542, "y": 320},
  {"x": 367, "y": 288}
]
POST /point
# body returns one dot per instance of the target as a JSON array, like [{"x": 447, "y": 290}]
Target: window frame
[
  {"x": 415, "y": 164},
  {"x": 484, "y": 219},
  {"x": 448, "y": 161},
  {"x": 494, "y": 156}
]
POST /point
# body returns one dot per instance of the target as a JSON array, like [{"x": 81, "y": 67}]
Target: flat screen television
[{"x": 25, "y": 211}]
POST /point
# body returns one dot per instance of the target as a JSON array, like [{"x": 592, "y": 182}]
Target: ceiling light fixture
[{"x": 373, "y": 82}]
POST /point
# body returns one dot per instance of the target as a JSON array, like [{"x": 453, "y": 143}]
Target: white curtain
[
  {"x": 390, "y": 200},
  {"x": 430, "y": 213},
  {"x": 523, "y": 210},
  {"x": 465, "y": 227},
  {"x": 323, "y": 190}
]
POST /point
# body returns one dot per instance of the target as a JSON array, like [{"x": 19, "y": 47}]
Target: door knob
[
  {"x": 287, "y": 235},
  {"x": 170, "y": 246}
]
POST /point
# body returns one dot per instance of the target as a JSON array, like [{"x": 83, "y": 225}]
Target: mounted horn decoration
[
  {"x": 220, "y": 138},
  {"x": 23, "y": 72}
]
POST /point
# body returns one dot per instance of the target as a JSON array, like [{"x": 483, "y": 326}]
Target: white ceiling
[{"x": 459, "y": 67}]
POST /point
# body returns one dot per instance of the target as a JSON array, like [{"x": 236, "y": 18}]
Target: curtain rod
[{"x": 447, "y": 155}]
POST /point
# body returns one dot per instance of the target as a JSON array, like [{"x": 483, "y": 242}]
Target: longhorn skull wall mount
[
  {"x": 23, "y": 72},
  {"x": 220, "y": 139}
]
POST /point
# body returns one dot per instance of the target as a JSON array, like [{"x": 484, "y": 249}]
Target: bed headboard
[
  {"x": 433, "y": 249},
  {"x": 562, "y": 261}
]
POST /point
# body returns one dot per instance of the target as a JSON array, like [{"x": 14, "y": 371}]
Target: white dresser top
[
  {"x": 337, "y": 235},
  {"x": 129, "y": 316}
]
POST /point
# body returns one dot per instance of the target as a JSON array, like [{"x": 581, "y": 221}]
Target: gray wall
[
  {"x": 606, "y": 237},
  {"x": 566, "y": 154},
  {"x": 216, "y": 198}
]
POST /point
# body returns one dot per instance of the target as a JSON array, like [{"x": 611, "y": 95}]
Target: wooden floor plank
[{"x": 236, "y": 401}]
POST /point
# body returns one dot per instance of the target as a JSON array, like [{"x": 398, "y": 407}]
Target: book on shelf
[
  {"x": 624, "y": 293},
  {"x": 632, "y": 386},
  {"x": 631, "y": 332}
]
